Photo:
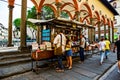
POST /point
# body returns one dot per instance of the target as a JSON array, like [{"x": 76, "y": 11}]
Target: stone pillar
[
  {"x": 58, "y": 5},
  {"x": 99, "y": 36},
  {"x": 112, "y": 34},
  {"x": 91, "y": 31},
  {"x": 104, "y": 31},
  {"x": 109, "y": 33},
  {"x": 10, "y": 25},
  {"x": 23, "y": 31},
  {"x": 93, "y": 34},
  {"x": 38, "y": 30},
  {"x": 77, "y": 15},
  {"x": 89, "y": 34}
]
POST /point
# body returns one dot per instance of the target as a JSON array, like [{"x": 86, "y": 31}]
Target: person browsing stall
[{"x": 60, "y": 40}]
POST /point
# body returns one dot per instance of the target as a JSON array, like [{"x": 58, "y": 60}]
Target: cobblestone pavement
[{"x": 89, "y": 70}]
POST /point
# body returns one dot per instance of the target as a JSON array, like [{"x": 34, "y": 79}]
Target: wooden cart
[{"x": 39, "y": 56}]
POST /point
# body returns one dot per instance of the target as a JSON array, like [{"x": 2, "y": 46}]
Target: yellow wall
[{"x": 99, "y": 6}]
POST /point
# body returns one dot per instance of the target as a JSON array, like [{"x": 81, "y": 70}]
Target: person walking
[
  {"x": 101, "y": 46},
  {"x": 107, "y": 48},
  {"x": 69, "y": 53},
  {"x": 117, "y": 45},
  {"x": 60, "y": 40},
  {"x": 82, "y": 45}
]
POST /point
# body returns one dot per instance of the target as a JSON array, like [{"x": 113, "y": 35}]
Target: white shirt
[
  {"x": 57, "y": 41},
  {"x": 82, "y": 40},
  {"x": 101, "y": 45}
]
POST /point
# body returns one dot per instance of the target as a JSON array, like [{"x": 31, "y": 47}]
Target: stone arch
[
  {"x": 68, "y": 3},
  {"x": 88, "y": 8},
  {"x": 38, "y": 6},
  {"x": 52, "y": 7},
  {"x": 103, "y": 18},
  {"x": 88, "y": 11},
  {"x": 76, "y": 5},
  {"x": 97, "y": 15},
  {"x": 68, "y": 13},
  {"x": 108, "y": 22}
]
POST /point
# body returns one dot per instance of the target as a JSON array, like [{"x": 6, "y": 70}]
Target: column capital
[
  {"x": 10, "y": 6},
  {"x": 58, "y": 4},
  {"x": 77, "y": 12},
  {"x": 38, "y": 13}
]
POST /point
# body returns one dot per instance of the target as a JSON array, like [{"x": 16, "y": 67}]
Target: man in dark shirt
[{"x": 117, "y": 45}]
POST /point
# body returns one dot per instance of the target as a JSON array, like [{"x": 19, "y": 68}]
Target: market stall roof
[
  {"x": 35, "y": 21},
  {"x": 61, "y": 21}
]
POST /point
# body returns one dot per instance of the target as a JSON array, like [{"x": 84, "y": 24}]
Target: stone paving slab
[{"x": 89, "y": 70}]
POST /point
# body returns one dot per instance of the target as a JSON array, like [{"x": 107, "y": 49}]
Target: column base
[
  {"x": 10, "y": 45},
  {"x": 25, "y": 49}
]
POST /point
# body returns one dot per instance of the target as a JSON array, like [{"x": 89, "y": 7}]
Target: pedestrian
[
  {"x": 69, "y": 53},
  {"x": 60, "y": 40},
  {"x": 107, "y": 48},
  {"x": 101, "y": 46},
  {"x": 82, "y": 45},
  {"x": 117, "y": 45}
]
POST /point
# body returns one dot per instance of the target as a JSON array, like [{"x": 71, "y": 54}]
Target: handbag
[{"x": 59, "y": 50}]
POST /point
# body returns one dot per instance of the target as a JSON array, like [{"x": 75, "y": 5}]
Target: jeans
[
  {"x": 60, "y": 65},
  {"x": 107, "y": 52},
  {"x": 102, "y": 53},
  {"x": 81, "y": 53}
]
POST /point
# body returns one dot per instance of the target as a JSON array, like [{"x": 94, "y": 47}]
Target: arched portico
[{"x": 79, "y": 11}]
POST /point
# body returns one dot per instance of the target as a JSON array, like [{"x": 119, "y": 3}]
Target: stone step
[
  {"x": 13, "y": 70},
  {"x": 8, "y": 57},
  {"x": 7, "y": 71},
  {"x": 9, "y": 53},
  {"x": 14, "y": 61}
]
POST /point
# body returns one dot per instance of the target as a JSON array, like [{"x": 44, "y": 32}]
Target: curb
[{"x": 108, "y": 72}]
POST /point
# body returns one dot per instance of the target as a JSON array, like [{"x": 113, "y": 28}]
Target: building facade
[{"x": 116, "y": 6}]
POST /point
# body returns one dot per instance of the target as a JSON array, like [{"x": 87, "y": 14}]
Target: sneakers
[{"x": 119, "y": 71}]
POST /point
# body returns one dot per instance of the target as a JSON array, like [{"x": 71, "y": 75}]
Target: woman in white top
[{"x": 102, "y": 50}]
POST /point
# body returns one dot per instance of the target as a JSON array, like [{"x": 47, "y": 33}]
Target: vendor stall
[{"x": 49, "y": 29}]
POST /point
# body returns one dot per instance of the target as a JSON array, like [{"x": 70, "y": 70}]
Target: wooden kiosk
[{"x": 49, "y": 29}]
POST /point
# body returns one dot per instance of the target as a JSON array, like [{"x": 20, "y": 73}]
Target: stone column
[
  {"x": 38, "y": 30},
  {"x": 99, "y": 36},
  {"x": 10, "y": 25},
  {"x": 109, "y": 33},
  {"x": 93, "y": 32},
  {"x": 77, "y": 15},
  {"x": 89, "y": 34},
  {"x": 104, "y": 31},
  {"x": 23, "y": 31},
  {"x": 58, "y": 5},
  {"x": 112, "y": 34}
]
